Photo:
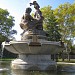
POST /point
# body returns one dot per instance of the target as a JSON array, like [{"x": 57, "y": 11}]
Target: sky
[{"x": 16, "y": 8}]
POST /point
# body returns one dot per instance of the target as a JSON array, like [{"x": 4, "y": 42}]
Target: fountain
[{"x": 34, "y": 50}]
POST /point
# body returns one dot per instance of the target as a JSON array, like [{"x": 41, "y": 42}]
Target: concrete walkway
[
  {"x": 65, "y": 66},
  {"x": 65, "y": 63}
]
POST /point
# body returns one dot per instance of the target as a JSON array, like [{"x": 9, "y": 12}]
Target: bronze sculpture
[
  {"x": 38, "y": 16},
  {"x": 28, "y": 22}
]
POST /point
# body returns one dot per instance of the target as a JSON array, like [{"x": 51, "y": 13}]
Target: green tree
[
  {"x": 6, "y": 24},
  {"x": 65, "y": 15},
  {"x": 50, "y": 24}
]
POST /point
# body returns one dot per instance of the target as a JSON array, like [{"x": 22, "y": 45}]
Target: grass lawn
[
  {"x": 66, "y": 60},
  {"x": 6, "y": 59}
]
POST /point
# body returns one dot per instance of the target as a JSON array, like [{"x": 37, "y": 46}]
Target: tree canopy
[
  {"x": 6, "y": 24},
  {"x": 50, "y": 24},
  {"x": 65, "y": 15},
  {"x": 60, "y": 22}
]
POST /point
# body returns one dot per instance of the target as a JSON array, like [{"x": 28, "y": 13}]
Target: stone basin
[{"x": 28, "y": 47}]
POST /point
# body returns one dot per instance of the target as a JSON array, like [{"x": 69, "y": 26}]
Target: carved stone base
[
  {"x": 26, "y": 35},
  {"x": 34, "y": 62}
]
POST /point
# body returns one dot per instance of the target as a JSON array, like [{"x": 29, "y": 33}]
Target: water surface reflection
[
  {"x": 22, "y": 72},
  {"x": 6, "y": 70}
]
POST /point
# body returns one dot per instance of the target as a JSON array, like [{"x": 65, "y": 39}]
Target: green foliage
[
  {"x": 65, "y": 15},
  {"x": 50, "y": 24},
  {"x": 2, "y": 38},
  {"x": 60, "y": 22},
  {"x": 6, "y": 24}
]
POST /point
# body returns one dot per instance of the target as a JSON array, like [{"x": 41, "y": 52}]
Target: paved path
[{"x": 65, "y": 63}]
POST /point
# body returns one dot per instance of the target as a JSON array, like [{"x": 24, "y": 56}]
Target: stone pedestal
[{"x": 34, "y": 62}]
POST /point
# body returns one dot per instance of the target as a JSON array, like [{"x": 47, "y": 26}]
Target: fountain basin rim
[{"x": 27, "y": 42}]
